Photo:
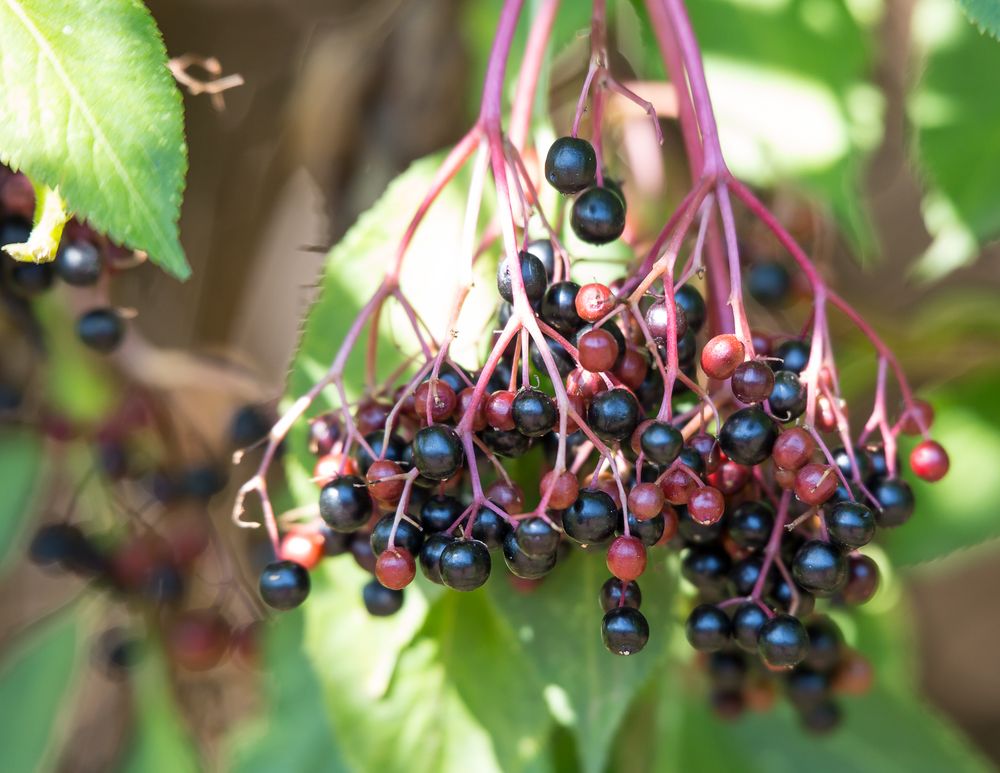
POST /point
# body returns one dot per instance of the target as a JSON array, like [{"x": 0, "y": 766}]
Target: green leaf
[
  {"x": 160, "y": 740},
  {"x": 956, "y": 118},
  {"x": 295, "y": 733},
  {"x": 985, "y": 14},
  {"x": 20, "y": 468},
  {"x": 36, "y": 685},
  {"x": 88, "y": 106}
]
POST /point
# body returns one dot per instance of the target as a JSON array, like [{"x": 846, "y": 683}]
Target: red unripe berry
[
  {"x": 862, "y": 579},
  {"x": 854, "y": 675},
  {"x": 598, "y": 350},
  {"x": 609, "y": 486},
  {"x": 929, "y": 461},
  {"x": 465, "y": 403},
  {"x": 785, "y": 478},
  {"x": 815, "y": 483},
  {"x": 583, "y": 383},
  {"x": 752, "y": 382},
  {"x": 593, "y": 301},
  {"x": 507, "y": 496},
  {"x": 627, "y": 558},
  {"x": 730, "y": 478},
  {"x": 762, "y": 344},
  {"x": 383, "y": 481},
  {"x": 706, "y": 505},
  {"x": 17, "y": 196},
  {"x": 500, "y": 410},
  {"x": 302, "y": 545},
  {"x": 918, "y": 418},
  {"x": 632, "y": 370},
  {"x": 645, "y": 501},
  {"x": 793, "y": 448},
  {"x": 826, "y": 413},
  {"x": 721, "y": 356},
  {"x": 564, "y": 488},
  {"x": 670, "y": 525},
  {"x": 438, "y": 396},
  {"x": 395, "y": 568},
  {"x": 197, "y": 640},
  {"x": 333, "y": 465},
  {"x": 371, "y": 416},
  {"x": 678, "y": 484}
]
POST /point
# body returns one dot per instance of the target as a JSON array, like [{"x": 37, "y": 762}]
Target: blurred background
[{"x": 880, "y": 118}]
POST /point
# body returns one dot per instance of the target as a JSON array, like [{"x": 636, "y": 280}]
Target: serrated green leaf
[
  {"x": 88, "y": 106},
  {"x": 20, "y": 468},
  {"x": 985, "y": 14},
  {"x": 36, "y": 683}
]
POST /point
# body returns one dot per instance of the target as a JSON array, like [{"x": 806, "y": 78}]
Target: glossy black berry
[
  {"x": 465, "y": 564},
  {"x": 614, "y": 414},
  {"x": 783, "y": 642},
  {"x": 437, "y": 452},
  {"x": 750, "y": 524},
  {"x": 28, "y": 279},
  {"x": 381, "y": 601},
  {"x": 727, "y": 669},
  {"x": 820, "y": 568},
  {"x": 397, "y": 450},
  {"x": 748, "y": 619},
  {"x": 707, "y": 628},
  {"x": 648, "y": 532},
  {"x": 825, "y": 645},
  {"x": 806, "y": 688},
  {"x": 543, "y": 250},
  {"x": 79, "y": 263},
  {"x": 508, "y": 443},
  {"x": 559, "y": 307},
  {"x": 532, "y": 273},
  {"x": 563, "y": 360},
  {"x": 536, "y": 538},
  {"x": 284, "y": 584},
  {"x": 598, "y": 216},
  {"x": 769, "y": 284},
  {"x": 344, "y": 503},
  {"x": 744, "y": 575},
  {"x": 694, "y": 533},
  {"x": 706, "y": 567},
  {"x": 624, "y": 630},
  {"x": 570, "y": 165},
  {"x": 895, "y": 498},
  {"x": 843, "y": 462},
  {"x": 591, "y": 518},
  {"x": 535, "y": 413},
  {"x": 66, "y": 546},
  {"x": 793, "y": 356},
  {"x": 490, "y": 528},
  {"x": 661, "y": 442},
  {"x": 14, "y": 230},
  {"x": 430, "y": 556},
  {"x": 788, "y": 397},
  {"x": 439, "y": 512},
  {"x": 851, "y": 524},
  {"x": 692, "y": 459},
  {"x": 687, "y": 348},
  {"x": 689, "y": 299},
  {"x": 101, "y": 329},
  {"x": 521, "y": 564},
  {"x": 407, "y": 535},
  {"x": 613, "y": 591},
  {"x": 748, "y": 436},
  {"x": 248, "y": 426}
]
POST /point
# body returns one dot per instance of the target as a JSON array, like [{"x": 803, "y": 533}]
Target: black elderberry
[
  {"x": 439, "y": 512},
  {"x": 687, "y": 348},
  {"x": 249, "y": 425},
  {"x": 28, "y": 279},
  {"x": 615, "y": 593},
  {"x": 748, "y": 436},
  {"x": 878, "y": 462},
  {"x": 465, "y": 564},
  {"x": 769, "y": 284},
  {"x": 284, "y": 584},
  {"x": 543, "y": 250},
  {"x": 455, "y": 377},
  {"x": 614, "y": 414},
  {"x": 591, "y": 518},
  {"x": 490, "y": 528},
  {"x": 521, "y": 564},
  {"x": 825, "y": 645},
  {"x": 563, "y": 359},
  {"x": 822, "y": 718},
  {"x": 508, "y": 443},
  {"x": 782, "y": 642},
  {"x": 781, "y": 596},
  {"x": 820, "y": 568},
  {"x": 849, "y": 493},
  {"x": 381, "y": 601},
  {"x": 851, "y": 524},
  {"x": 532, "y": 273},
  {"x": 707, "y": 628},
  {"x": 689, "y": 299},
  {"x": 101, "y": 329},
  {"x": 598, "y": 216},
  {"x": 203, "y": 481},
  {"x": 570, "y": 165},
  {"x": 14, "y": 230},
  {"x": 895, "y": 499},
  {"x": 624, "y": 630},
  {"x": 65, "y": 545},
  {"x": 788, "y": 397},
  {"x": 744, "y": 575},
  {"x": 430, "y": 556},
  {"x": 806, "y": 688},
  {"x": 727, "y": 669},
  {"x": 692, "y": 460},
  {"x": 536, "y": 537},
  {"x": 397, "y": 450},
  {"x": 344, "y": 503},
  {"x": 843, "y": 462},
  {"x": 648, "y": 532},
  {"x": 559, "y": 307},
  {"x": 534, "y": 412},
  {"x": 793, "y": 356},
  {"x": 748, "y": 619},
  {"x": 408, "y": 536},
  {"x": 437, "y": 452},
  {"x": 706, "y": 567},
  {"x": 750, "y": 524},
  {"x": 695, "y": 533},
  {"x": 661, "y": 442},
  {"x": 79, "y": 263}
]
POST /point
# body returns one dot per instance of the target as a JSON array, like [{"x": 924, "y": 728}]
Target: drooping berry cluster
[{"x": 667, "y": 420}]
